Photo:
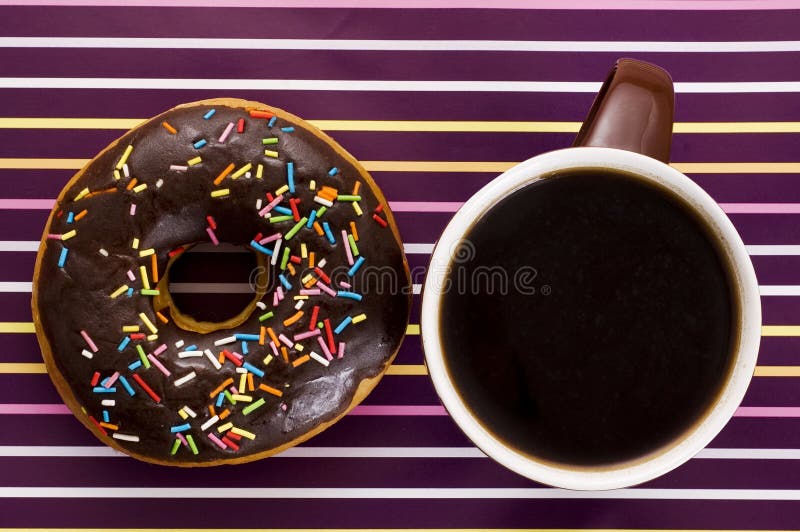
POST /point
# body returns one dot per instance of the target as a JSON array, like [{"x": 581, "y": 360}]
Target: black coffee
[{"x": 589, "y": 319}]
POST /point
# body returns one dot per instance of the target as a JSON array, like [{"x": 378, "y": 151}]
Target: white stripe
[
  {"x": 410, "y": 249},
  {"x": 376, "y": 85},
  {"x": 426, "y": 493},
  {"x": 779, "y": 290},
  {"x": 398, "y": 45},
  {"x": 773, "y": 250},
  {"x": 19, "y": 245}
]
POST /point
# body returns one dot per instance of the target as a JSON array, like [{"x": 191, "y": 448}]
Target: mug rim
[{"x": 696, "y": 437}]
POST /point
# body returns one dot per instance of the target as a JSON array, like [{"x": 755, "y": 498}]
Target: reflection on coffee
[{"x": 615, "y": 340}]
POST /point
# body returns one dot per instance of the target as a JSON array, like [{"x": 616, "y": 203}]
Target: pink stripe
[
  {"x": 761, "y": 208},
  {"x": 767, "y": 411},
  {"x": 34, "y": 409},
  {"x": 20, "y": 204},
  {"x": 363, "y": 410},
  {"x": 425, "y": 206},
  {"x": 681, "y": 5}
]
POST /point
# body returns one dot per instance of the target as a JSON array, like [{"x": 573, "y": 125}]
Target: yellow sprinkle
[
  {"x": 183, "y": 414},
  {"x": 267, "y": 360},
  {"x": 68, "y": 235},
  {"x": 243, "y": 433},
  {"x": 299, "y": 347},
  {"x": 139, "y": 188},
  {"x": 145, "y": 280},
  {"x": 119, "y": 291},
  {"x": 116, "y": 175},
  {"x": 81, "y": 194},
  {"x": 148, "y": 323},
  {"x": 221, "y": 192},
  {"x": 241, "y": 171},
  {"x": 284, "y": 188},
  {"x": 124, "y": 158},
  {"x": 146, "y": 252},
  {"x": 312, "y": 185},
  {"x": 152, "y": 337},
  {"x": 303, "y": 250},
  {"x": 227, "y": 426},
  {"x": 357, "y": 208},
  {"x": 135, "y": 243},
  {"x": 260, "y": 171},
  {"x": 130, "y": 328},
  {"x": 243, "y": 398},
  {"x": 242, "y": 382},
  {"x": 297, "y": 298},
  {"x": 196, "y": 160},
  {"x": 307, "y": 278},
  {"x": 270, "y": 153},
  {"x": 359, "y": 318}
]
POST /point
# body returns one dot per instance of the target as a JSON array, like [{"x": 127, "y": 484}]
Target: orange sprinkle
[
  {"x": 327, "y": 195},
  {"x": 311, "y": 282},
  {"x": 292, "y": 319},
  {"x": 285, "y": 354},
  {"x": 228, "y": 169},
  {"x": 221, "y": 358},
  {"x": 225, "y": 413},
  {"x": 109, "y": 426},
  {"x": 163, "y": 318},
  {"x": 221, "y": 387},
  {"x": 154, "y": 268},
  {"x": 272, "y": 336},
  {"x": 311, "y": 260},
  {"x": 354, "y": 231},
  {"x": 250, "y": 386},
  {"x": 302, "y": 360},
  {"x": 80, "y": 215},
  {"x": 211, "y": 410},
  {"x": 318, "y": 229},
  {"x": 131, "y": 184},
  {"x": 290, "y": 268},
  {"x": 330, "y": 190},
  {"x": 168, "y": 127},
  {"x": 261, "y": 336},
  {"x": 270, "y": 389},
  {"x": 356, "y": 188}
]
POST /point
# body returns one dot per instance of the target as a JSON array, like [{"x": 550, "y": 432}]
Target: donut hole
[{"x": 211, "y": 287}]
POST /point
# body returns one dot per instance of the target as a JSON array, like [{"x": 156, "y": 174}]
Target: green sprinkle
[
  {"x": 346, "y": 197},
  {"x": 191, "y": 444},
  {"x": 353, "y": 245},
  {"x": 278, "y": 219},
  {"x": 285, "y": 259},
  {"x": 143, "y": 357},
  {"x": 321, "y": 211},
  {"x": 320, "y": 325},
  {"x": 175, "y": 445},
  {"x": 146, "y": 292},
  {"x": 266, "y": 316},
  {"x": 229, "y": 397},
  {"x": 252, "y": 406},
  {"x": 293, "y": 231},
  {"x": 270, "y": 140}
]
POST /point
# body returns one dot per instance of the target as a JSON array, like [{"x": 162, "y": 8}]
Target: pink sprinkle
[
  {"x": 275, "y": 299},
  {"x": 237, "y": 355},
  {"x": 233, "y": 390},
  {"x": 283, "y": 406},
  {"x": 274, "y": 349},
  {"x": 226, "y": 132},
  {"x": 324, "y": 347},
  {"x": 347, "y": 248},
  {"x": 54, "y": 236},
  {"x": 217, "y": 441},
  {"x": 307, "y": 334},
  {"x": 160, "y": 349},
  {"x": 325, "y": 288},
  {"x": 183, "y": 440},
  {"x": 131, "y": 276},
  {"x": 344, "y": 284},
  {"x": 212, "y": 236},
  {"x": 89, "y": 342},
  {"x": 133, "y": 209},
  {"x": 341, "y": 350},
  {"x": 309, "y": 292},
  {"x": 178, "y": 168},
  {"x": 282, "y": 338},
  {"x": 268, "y": 239},
  {"x": 158, "y": 364},
  {"x": 271, "y": 205},
  {"x": 279, "y": 291},
  {"x": 111, "y": 380}
]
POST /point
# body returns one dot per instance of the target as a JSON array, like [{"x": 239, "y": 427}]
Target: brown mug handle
[{"x": 633, "y": 111}]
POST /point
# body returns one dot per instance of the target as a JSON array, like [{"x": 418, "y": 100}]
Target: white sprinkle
[
  {"x": 226, "y": 340},
  {"x": 241, "y": 370},
  {"x": 322, "y": 360},
  {"x": 258, "y": 204},
  {"x": 210, "y": 423},
  {"x": 109, "y": 402},
  {"x": 159, "y": 183},
  {"x": 189, "y": 411},
  {"x": 103, "y": 252},
  {"x": 126, "y": 170},
  {"x": 274, "y": 260},
  {"x": 126, "y": 437},
  {"x": 178, "y": 168},
  {"x": 323, "y": 201},
  {"x": 133, "y": 209},
  {"x": 185, "y": 378},
  {"x": 179, "y": 344},
  {"x": 213, "y": 359},
  {"x": 188, "y": 354},
  {"x": 322, "y": 263},
  {"x": 261, "y": 305},
  {"x": 131, "y": 276},
  {"x": 248, "y": 175},
  {"x": 88, "y": 354},
  {"x": 299, "y": 305}
]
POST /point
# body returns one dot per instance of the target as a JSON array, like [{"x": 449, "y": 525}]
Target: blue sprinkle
[
  {"x": 180, "y": 428},
  {"x": 354, "y": 268},
  {"x": 135, "y": 365},
  {"x": 104, "y": 381},
  {"x": 285, "y": 282},
  {"x": 70, "y": 217},
  {"x": 63, "y": 257},
  {"x": 272, "y": 121},
  {"x": 127, "y": 386},
  {"x": 287, "y": 129},
  {"x": 283, "y": 210},
  {"x": 349, "y": 295},
  {"x": 129, "y": 293},
  {"x": 220, "y": 398},
  {"x": 328, "y": 233},
  {"x": 290, "y": 176},
  {"x": 311, "y": 219},
  {"x": 209, "y": 114},
  {"x": 247, "y": 337},
  {"x": 100, "y": 389},
  {"x": 123, "y": 344},
  {"x": 190, "y": 348},
  {"x": 345, "y": 322},
  {"x": 245, "y": 349},
  {"x": 258, "y": 247},
  {"x": 333, "y": 171},
  {"x": 252, "y": 369},
  {"x": 200, "y": 143},
  {"x": 106, "y": 417}
]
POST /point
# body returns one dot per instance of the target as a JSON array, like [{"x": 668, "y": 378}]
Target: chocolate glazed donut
[{"x": 332, "y": 297}]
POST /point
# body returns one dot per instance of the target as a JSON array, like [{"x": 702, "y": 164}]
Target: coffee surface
[{"x": 588, "y": 319}]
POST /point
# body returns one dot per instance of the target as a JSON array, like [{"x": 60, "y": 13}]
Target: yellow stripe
[
  {"x": 777, "y": 371},
  {"x": 493, "y": 167},
  {"x": 407, "y": 369},
  {"x": 451, "y": 126},
  {"x": 780, "y": 330},
  {"x": 16, "y": 327},
  {"x": 21, "y": 367}
]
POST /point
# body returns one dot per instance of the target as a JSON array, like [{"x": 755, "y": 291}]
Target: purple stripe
[{"x": 362, "y": 410}]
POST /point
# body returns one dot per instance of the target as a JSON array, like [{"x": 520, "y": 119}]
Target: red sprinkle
[
  {"x": 232, "y": 358},
  {"x": 95, "y": 378},
  {"x": 293, "y": 204},
  {"x": 59, "y": 213},
  {"x": 260, "y": 114},
  {"x": 137, "y": 336},
  {"x": 258, "y": 237},
  {"x": 270, "y": 197},
  {"x": 177, "y": 251},
  {"x": 240, "y": 126},
  {"x": 295, "y": 259},
  {"x": 380, "y": 220},
  {"x": 378, "y": 209},
  {"x": 211, "y": 222},
  {"x": 232, "y": 435},
  {"x": 322, "y": 275},
  {"x": 229, "y": 443},
  {"x": 314, "y": 314},
  {"x": 329, "y": 333},
  {"x": 148, "y": 390},
  {"x": 97, "y": 423}
]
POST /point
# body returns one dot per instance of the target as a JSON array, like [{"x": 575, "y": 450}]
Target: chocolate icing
[{"x": 77, "y": 296}]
